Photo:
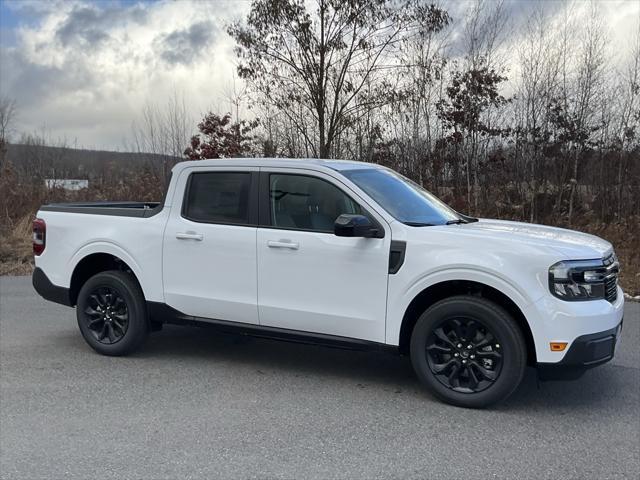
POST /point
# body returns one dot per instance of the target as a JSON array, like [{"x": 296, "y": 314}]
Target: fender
[
  {"x": 112, "y": 248},
  {"x": 490, "y": 278}
]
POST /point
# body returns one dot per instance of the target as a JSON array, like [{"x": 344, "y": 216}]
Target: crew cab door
[
  {"x": 308, "y": 278},
  {"x": 209, "y": 253}
]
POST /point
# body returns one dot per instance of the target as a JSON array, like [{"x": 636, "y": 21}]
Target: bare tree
[
  {"x": 7, "y": 117},
  {"x": 409, "y": 117},
  {"x": 164, "y": 130},
  {"x": 627, "y": 130},
  {"x": 537, "y": 86},
  {"x": 483, "y": 32},
  {"x": 581, "y": 123},
  {"x": 484, "y": 28},
  {"x": 236, "y": 95},
  {"x": 321, "y": 70}
]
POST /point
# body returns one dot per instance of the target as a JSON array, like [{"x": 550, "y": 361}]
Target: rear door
[
  {"x": 308, "y": 278},
  {"x": 209, "y": 254}
]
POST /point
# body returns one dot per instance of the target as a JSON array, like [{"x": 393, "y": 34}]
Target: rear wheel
[
  {"x": 112, "y": 314},
  {"x": 468, "y": 351}
]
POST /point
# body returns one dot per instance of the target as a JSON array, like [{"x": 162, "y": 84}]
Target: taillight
[{"x": 39, "y": 236}]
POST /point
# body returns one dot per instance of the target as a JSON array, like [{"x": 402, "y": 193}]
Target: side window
[
  {"x": 307, "y": 203},
  {"x": 218, "y": 197}
]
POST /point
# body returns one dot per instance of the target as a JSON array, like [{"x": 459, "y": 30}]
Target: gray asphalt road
[{"x": 197, "y": 405}]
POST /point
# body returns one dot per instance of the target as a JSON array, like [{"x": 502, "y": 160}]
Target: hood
[{"x": 569, "y": 243}]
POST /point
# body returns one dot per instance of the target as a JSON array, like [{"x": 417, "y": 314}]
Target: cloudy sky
[{"x": 82, "y": 70}]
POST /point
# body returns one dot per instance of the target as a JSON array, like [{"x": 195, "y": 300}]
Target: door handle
[
  {"x": 283, "y": 244},
  {"x": 189, "y": 236}
]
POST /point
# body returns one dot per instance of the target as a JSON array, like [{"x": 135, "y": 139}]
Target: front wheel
[
  {"x": 468, "y": 351},
  {"x": 112, "y": 313}
]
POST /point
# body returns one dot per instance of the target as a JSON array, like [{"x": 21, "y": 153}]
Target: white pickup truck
[{"x": 340, "y": 253}]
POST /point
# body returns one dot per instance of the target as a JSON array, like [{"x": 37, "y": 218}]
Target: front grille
[
  {"x": 611, "y": 288},
  {"x": 611, "y": 279}
]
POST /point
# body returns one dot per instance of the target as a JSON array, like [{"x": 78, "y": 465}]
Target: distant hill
[{"x": 62, "y": 162}]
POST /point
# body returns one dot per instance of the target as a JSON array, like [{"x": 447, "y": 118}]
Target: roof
[{"x": 337, "y": 165}]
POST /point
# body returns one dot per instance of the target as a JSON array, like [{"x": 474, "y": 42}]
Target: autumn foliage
[{"x": 219, "y": 137}]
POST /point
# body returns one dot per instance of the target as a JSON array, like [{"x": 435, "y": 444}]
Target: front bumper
[
  {"x": 553, "y": 320},
  {"x": 586, "y": 351}
]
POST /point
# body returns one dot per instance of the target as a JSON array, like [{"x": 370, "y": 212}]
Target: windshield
[{"x": 405, "y": 200}]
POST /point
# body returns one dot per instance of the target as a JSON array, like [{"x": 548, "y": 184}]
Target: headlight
[{"x": 582, "y": 279}]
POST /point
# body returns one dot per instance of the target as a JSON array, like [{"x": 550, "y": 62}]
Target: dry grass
[
  {"x": 16, "y": 253},
  {"x": 16, "y": 268}
]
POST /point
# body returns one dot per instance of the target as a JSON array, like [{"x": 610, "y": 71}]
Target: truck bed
[{"x": 120, "y": 209}]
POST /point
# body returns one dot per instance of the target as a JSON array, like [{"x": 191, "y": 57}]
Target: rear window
[{"x": 218, "y": 197}]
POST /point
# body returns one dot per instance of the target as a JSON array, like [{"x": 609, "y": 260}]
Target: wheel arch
[
  {"x": 444, "y": 289},
  {"x": 92, "y": 264}
]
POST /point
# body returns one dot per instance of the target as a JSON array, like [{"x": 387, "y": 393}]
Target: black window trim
[
  {"x": 264, "y": 208},
  {"x": 252, "y": 205}
]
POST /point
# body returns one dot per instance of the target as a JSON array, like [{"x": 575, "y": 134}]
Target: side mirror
[{"x": 348, "y": 225}]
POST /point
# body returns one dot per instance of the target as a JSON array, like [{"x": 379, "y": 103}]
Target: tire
[
  {"x": 494, "y": 355},
  {"x": 112, "y": 313}
]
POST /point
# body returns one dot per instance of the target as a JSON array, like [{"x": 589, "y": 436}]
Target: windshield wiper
[
  {"x": 457, "y": 221},
  {"x": 419, "y": 224}
]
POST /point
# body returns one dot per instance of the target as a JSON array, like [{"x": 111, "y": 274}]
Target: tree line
[
  {"x": 529, "y": 120},
  {"x": 536, "y": 124}
]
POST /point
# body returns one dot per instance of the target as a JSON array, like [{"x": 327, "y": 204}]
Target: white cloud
[{"x": 84, "y": 71}]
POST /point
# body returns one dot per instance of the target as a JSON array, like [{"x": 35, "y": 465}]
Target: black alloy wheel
[
  {"x": 468, "y": 351},
  {"x": 112, "y": 313},
  {"x": 106, "y": 315},
  {"x": 464, "y": 355}
]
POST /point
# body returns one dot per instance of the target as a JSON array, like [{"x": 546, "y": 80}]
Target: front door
[
  {"x": 209, "y": 254},
  {"x": 308, "y": 278}
]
